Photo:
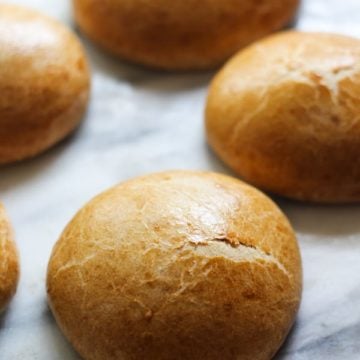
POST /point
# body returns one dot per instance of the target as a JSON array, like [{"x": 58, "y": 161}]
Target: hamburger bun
[
  {"x": 9, "y": 262},
  {"x": 284, "y": 114},
  {"x": 44, "y": 82},
  {"x": 180, "y": 35},
  {"x": 176, "y": 265}
]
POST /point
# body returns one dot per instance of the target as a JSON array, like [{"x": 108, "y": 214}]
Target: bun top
[
  {"x": 9, "y": 267},
  {"x": 284, "y": 114},
  {"x": 181, "y": 265},
  {"x": 186, "y": 35},
  {"x": 44, "y": 82},
  {"x": 33, "y": 44},
  {"x": 292, "y": 56}
]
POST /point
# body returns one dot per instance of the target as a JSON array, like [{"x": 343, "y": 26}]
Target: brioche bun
[
  {"x": 9, "y": 262},
  {"x": 180, "y": 35},
  {"x": 284, "y": 114},
  {"x": 44, "y": 82},
  {"x": 176, "y": 265}
]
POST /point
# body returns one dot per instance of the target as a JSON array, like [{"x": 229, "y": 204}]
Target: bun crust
[
  {"x": 188, "y": 34},
  {"x": 284, "y": 114},
  {"x": 44, "y": 82},
  {"x": 176, "y": 265},
  {"x": 9, "y": 263}
]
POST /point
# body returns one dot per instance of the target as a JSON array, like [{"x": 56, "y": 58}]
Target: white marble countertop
[{"x": 139, "y": 122}]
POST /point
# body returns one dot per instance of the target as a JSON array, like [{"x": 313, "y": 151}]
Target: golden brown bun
[
  {"x": 177, "y": 34},
  {"x": 176, "y": 265},
  {"x": 284, "y": 114},
  {"x": 9, "y": 262},
  {"x": 44, "y": 82}
]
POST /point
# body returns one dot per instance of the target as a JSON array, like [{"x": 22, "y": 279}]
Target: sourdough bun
[
  {"x": 9, "y": 262},
  {"x": 44, "y": 82},
  {"x": 284, "y": 114},
  {"x": 176, "y": 265},
  {"x": 180, "y": 35}
]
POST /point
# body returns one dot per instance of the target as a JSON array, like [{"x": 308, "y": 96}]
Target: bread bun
[
  {"x": 177, "y": 265},
  {"x": 284, "y": 114},
  {"x": 180, "y": 35},
  {"x": 9, "y": 263},
  {"x": 44, "y": 82}
]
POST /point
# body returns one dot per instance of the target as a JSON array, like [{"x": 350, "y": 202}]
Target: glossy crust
[
  {"x": 44, "y": 82},
  {"x": 176, "y": 265},
  {"x": 180, "y": 35},
  {"x": 285, "y": 115},
  {"x": 9, "y": 262}
]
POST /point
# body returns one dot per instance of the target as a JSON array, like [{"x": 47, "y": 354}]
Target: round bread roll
[
  {"x": 284, "y": 114},
  {"x": 177, "y": 34},
  {"x": 176, "y": 265},
  {"x": 44, "y": 82},
  {"x": 9, "y": 263}
]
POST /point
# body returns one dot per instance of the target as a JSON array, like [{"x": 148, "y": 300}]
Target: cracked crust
[
  {"x": 176, "y": 265},
  {"x": 285, "y": 115},
  {"x": 186, "y": 35},
  {"x": 9, "y": 262},
  {"x": 44, "y": 82}
]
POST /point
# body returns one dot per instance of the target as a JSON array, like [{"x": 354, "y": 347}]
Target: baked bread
[
  {"x": 284, "y": 114},
  {"x": 176, "y": 265},
  {"x": 177, "y": 34},
  {"x": 44, "y": 82},
  {"x": 9, "y": 263}
]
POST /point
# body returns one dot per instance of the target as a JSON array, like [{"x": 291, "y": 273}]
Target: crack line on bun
[{"x": 235, "y": 250}]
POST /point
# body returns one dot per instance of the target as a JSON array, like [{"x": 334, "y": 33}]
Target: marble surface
[{"x": 139, "y": 122}]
